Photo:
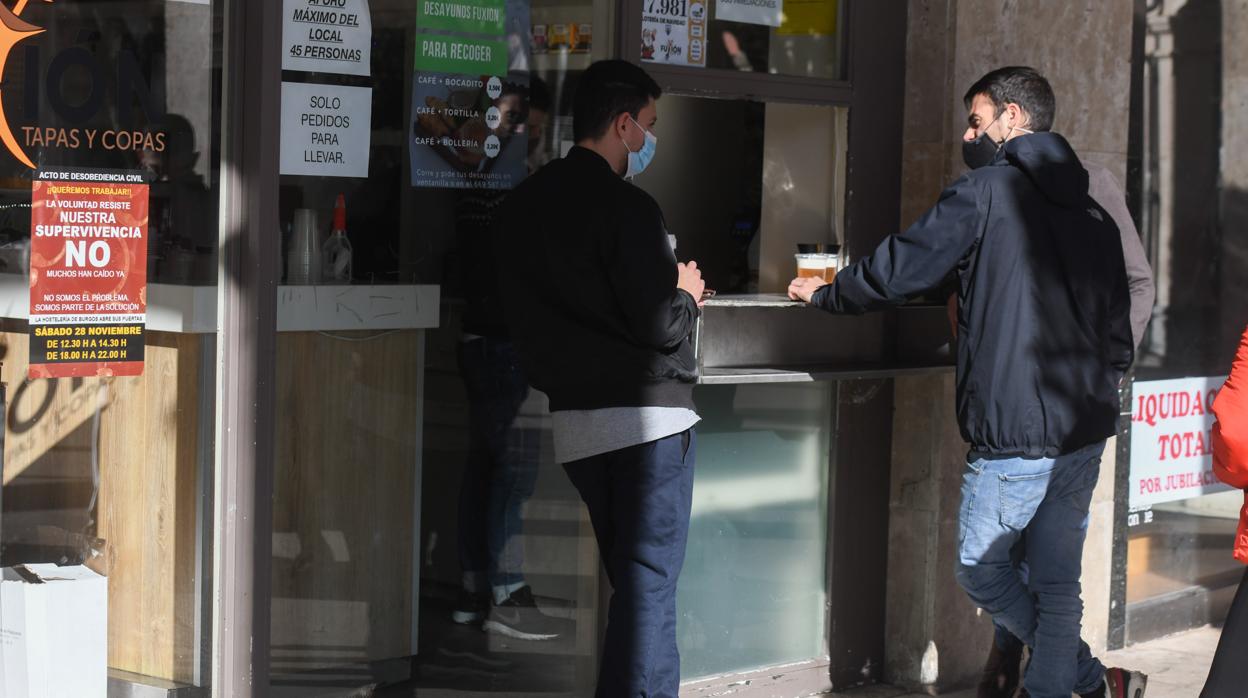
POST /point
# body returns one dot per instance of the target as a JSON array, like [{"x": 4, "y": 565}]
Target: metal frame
[{"x": 246, "y": 350}]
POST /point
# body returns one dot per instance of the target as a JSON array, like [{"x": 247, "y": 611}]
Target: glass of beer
[
  {"x": 812, "y": 265},
  {"x": 830, "y": 266}
]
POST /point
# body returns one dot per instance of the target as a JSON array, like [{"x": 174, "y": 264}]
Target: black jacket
[
  {"x": 1043, "y": 324},
  {"x": 589, "y": 290}
]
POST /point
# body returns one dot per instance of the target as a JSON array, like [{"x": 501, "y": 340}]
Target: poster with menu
[
  {"x": 469, "y": 94},
  {"x": 88, "y": 273},
  {"x": 674, "y": 32}
]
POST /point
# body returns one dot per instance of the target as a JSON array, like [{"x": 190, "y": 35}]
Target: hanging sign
[
  {"x": 809, "y": 18},
  {"x": 674, "y": 32},
  {"x": 469, "y": 92},
  {"x": 1171, "y": 452},
  {"x": 326, "y": 129},
  {"x": 88, "y": 273},
  {"x": 327, "y": 36},
  {"x": 769, "y": 13}
]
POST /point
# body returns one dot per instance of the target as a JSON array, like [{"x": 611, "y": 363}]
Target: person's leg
[
  {"x": 1060, "y": 662},
  {"x": 648, "y": 509},
  {"x": 591, "y": 478},
  {"x": 665, "y": 679},
  {"x": 1226, "y": 676},
  {"x": 999, "y": 497},
  {"x": 474, "y": 491},
  {"x": 513, "y": 472}
]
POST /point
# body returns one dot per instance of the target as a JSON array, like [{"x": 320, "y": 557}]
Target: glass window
[
  {"x": 102, "y": 468},
  {"x": 795, "y": 38},
  {"x": 1179, "y": 560},
  {"x": 753, "y": 592},
  {"x": 414, "y": 468}
]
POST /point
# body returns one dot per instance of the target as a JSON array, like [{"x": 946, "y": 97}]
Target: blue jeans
[
  {"x": 501, "y": 471},
  {"x": 1049, "y": 498},
  {"x": 639, "y": 500}
]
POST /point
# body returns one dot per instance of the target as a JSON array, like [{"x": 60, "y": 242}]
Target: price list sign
[
  {"x": 88, "y": 273},
  {"x": 469, "y": 86}
]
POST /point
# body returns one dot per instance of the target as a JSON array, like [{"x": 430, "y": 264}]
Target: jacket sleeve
[
  {"x": 643, "y": 275},
  {"x": 1122, "y": 343},
  {"x": 1230, "y": 432},
  {"x": 1106, "y": 192},
  {"x": 914, "y": 261}
]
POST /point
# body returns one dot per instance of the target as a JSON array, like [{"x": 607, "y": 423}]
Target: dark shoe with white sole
[
  {"x": 470, "y": 608},
  {"x": 1122, "y": 683},
  {"x": 519, "y": 618}
]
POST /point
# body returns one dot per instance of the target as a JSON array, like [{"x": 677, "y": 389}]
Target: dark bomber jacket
[
  {"x": 1043, "y": 322},
  {"x": 589, "y": 290}
]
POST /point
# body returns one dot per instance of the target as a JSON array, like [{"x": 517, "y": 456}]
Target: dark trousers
[
  {"x": 1227, "y": 676},
  {"x": 501, "y": 471},
  {"x": 639, "y": 499}
]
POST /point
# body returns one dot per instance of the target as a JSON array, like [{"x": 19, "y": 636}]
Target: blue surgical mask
[{"x": 640, "y": 160}]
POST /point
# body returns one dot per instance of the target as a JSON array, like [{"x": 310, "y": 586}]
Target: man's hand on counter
[
  {"x": 801, "y": 289},
  {"x": 690, "y": 281}
]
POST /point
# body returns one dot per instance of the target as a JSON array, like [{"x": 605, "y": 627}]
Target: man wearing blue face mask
[{"x": 601, "y": 313}]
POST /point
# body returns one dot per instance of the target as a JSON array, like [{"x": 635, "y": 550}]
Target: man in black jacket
[
  {"x": 1044, "y": 339},
  {"x": 601, "y": 314}
]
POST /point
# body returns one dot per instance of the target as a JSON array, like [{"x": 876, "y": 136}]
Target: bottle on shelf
[{"x": 336, "y": 254}]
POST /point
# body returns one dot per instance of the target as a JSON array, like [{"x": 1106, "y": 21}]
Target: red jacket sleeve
[{"x": 1230, "y": 432}]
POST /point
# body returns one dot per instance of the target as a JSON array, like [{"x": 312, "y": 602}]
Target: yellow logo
[{"x": 13, "y": 30}]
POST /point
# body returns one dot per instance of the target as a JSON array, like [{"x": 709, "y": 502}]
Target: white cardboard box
[{"x": 53, "y": 632}]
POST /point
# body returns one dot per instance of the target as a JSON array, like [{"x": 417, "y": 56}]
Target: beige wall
[{"x": 936, "y": 638}]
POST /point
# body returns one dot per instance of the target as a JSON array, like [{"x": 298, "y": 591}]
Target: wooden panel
[
  {"x": 148, "y": 451},
  {"x": 344, "y": 498}
]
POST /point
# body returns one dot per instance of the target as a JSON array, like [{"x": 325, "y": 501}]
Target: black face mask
[{"x": 980, "y": 151}]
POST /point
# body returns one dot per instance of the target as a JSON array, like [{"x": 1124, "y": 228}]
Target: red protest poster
[{"x": 88, "y": 273}]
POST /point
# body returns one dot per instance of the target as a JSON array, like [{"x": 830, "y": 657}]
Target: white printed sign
[
  {"x": 326, "y": 129},
  {"x": 327, "y": 36},
  {"x": 768, "y": 13},
  {"x": 674, "y": 31},
  {"x": 1171, "y": 453}
]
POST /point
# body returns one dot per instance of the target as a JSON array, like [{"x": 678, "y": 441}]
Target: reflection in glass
[
  {"x": 800, "y": 39},
  {"x": 118, "y": 469},
  {"x": 753, "y": 589}
]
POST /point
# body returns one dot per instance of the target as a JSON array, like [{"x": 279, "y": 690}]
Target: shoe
[
  {"x": 470, "y": 608},
  {"x": 519, "y": 617},
  {"x": 1001, "y": 673},
  {"x": 1120, "y": 683}
]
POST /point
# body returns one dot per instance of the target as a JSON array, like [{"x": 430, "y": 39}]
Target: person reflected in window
[
  {"x": 182, "y": 237},
  {"x": 501, "y": 471}
]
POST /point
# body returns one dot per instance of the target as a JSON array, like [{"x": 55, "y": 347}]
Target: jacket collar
[{"x": 588, "y": 158}]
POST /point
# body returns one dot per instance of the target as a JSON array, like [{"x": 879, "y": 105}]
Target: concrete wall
[{"x": 936, "y": 638}]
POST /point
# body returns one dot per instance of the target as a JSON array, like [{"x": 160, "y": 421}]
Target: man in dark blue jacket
[{"x": 1044, "y": 339}]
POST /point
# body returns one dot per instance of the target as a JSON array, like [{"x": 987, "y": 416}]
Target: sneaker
[
  {"x": 1120, "y": 683},
  {"x": 470, "y": 608},
  {"x": 1001, "y": 672},
  {"x": 519, "y": 617}
]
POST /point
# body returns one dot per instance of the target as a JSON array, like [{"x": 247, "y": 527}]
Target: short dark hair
[
  {"x": 606, "y": 90},
  {"x": 1019, "y": 85}
]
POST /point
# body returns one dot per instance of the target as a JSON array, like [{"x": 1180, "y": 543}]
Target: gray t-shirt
[{"x": 581, "y": 434}]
